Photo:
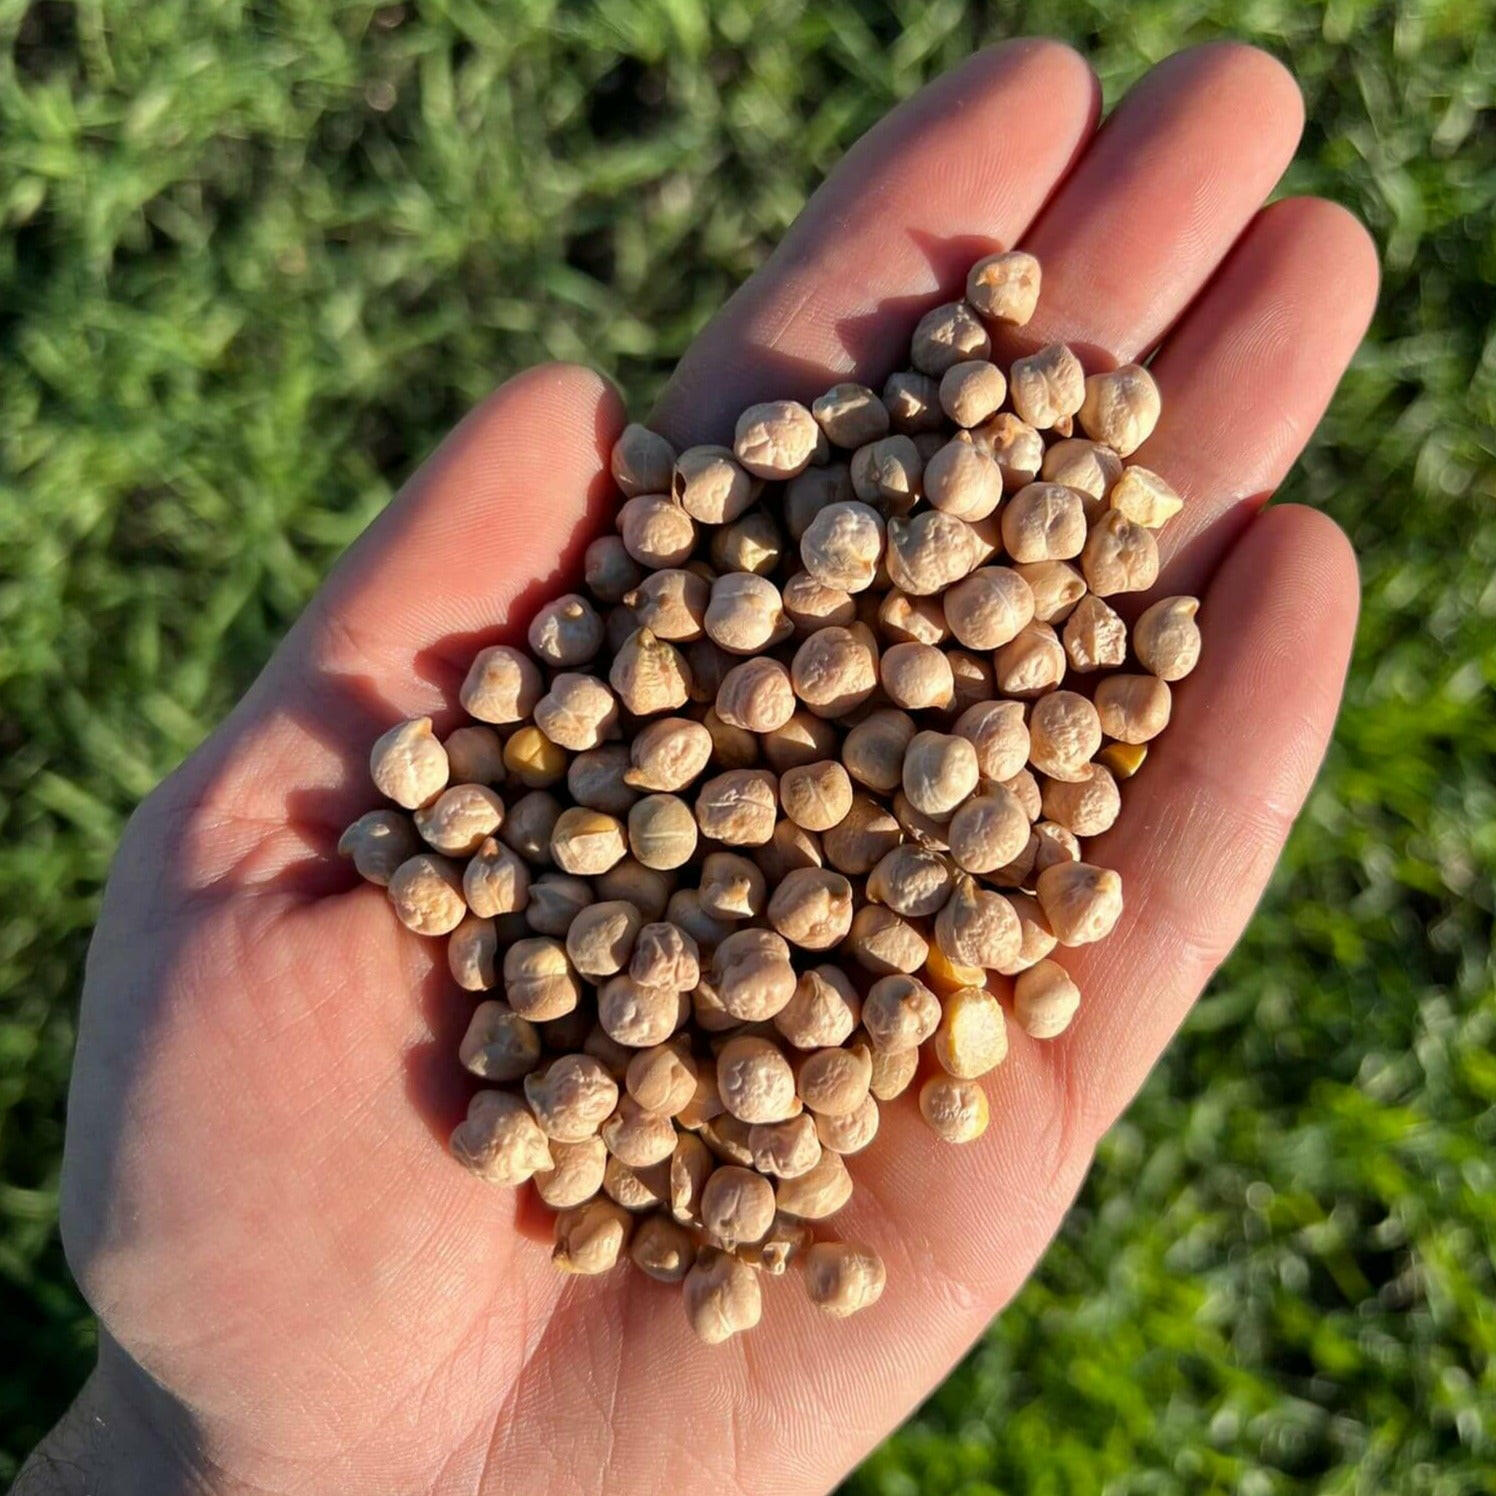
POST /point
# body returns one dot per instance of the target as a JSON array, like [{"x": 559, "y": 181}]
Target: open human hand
[{"x": 299, "y": 1290}]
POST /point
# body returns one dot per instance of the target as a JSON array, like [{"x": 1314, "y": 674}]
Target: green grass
[{"x": 255, "y": 258}]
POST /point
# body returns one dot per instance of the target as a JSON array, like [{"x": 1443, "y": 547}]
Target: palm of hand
[{"x": 257, "y": 1197}]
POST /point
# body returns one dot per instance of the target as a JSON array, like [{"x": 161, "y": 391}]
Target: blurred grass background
[{"x": 255, "y": 258}]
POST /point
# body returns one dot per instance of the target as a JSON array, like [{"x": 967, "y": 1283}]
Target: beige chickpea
[
  {"x": 662, "y": 1078},
  {"x": 1053, "y": 843},
  {"x": 664, "y": 955},
  {"x": 790, "y": 847},
  {"x": 1088, "y": 467},
  {"x": 610, "y": 572},
  {"x": 662, "y": 832},
  {"x": 940, "y": 771},
  {"x": 601, "y": 937},
  {"x": 499, "y": 1140},
  {"x": 471, "y": 949},
  {"x": 739, "y": 808},
  {"x": 575, "y": 1175},
  {"x": 641, "y": 460},
  {"x": 1057, "y": 587},
  {"x": 972, "y": 1037},
  {"x": 1119, "y": 556},
  {"x": 1045, "y": 999},
  {"x": 648, "y": 889},
  {"x": 533, "y": 760},
  {"x": 706, "y": 929},
  {"x": 810, "y": 604},
  {"x": 1085, "y": 807},
  {"x": 1004, "y": 288},
  {"x": 868, "y": 830},
  {"x": 721, "y": 1297},
  {"x": 1144, "y": 498},
  {"x": 834, "y": 671},
  {"x": 899, "y": 1012},
  {"x": 843, "y": 546},
  {"x": 911, "y": 620},
  {"x": 460, "y": 819},
  {"x": 1132, "y": 708},
  {"x": 590, "y": 1238},
  {"x": 834, "y": 1082},
  {"x": 754, "y": 979},
  {"x": 853, "y": 1131},
  {"x": 842, "y": 1278},
  {"x": 977, "y": 927},
  {"x": 737, "y": 1205},
  {"x": 823, "y": 1011},
  {"x": 1047, "y": 386},
  {"x": 502, "y": 685},
  {"x": 819, "y": 1193},
  {"x": 710, "y": 486},
  {"x": 972, "y": 391},
  {"x": 785, "y": 1149},
  {"x": 667, "y": 754},
  {"x": 475, "y": 755},
  {"x": 755, "y": 1080},
  {"x": 1123, "y": 759},
  {"x": 656, "y": 531},
  {"x": 587, "y": 842},
  {"x": 1025, "y": 789},
  {"x": 955, "y": 1109},
  {"x": 989, "y": 831},
  {"x": 554, "y": 901},
  {"x": 1095, "y": 638},
  {"x": 731, "y": 887},
  {"x": 873, "y": 751},
  {"x": 662, "y": 1249},
  {"x": 1044, "y": 522},
  {"x": 378, "y": 843},
  {"x": 572, "y": 1097},
  {"x": 776, "y": 439},
  {"x": 426, "y": 892},
  {"x": 746, "y": 613},
  {"x": 753, "y": 543},
  {"x": 911, "y": 880},
  {"x": 639, "y": 1016},
  {"x": 671, "y": 604},
  {"x": 409, "y": 765},
  {"x": 812, "y": 908},
  {"x": 885, "y": 943},
  {"x": 947, "y": 335},
  {"x": 917, "y": 677},
  {"x": 1064, "y": 732},
  {"x": 816, "y": 796},
  {"x": 499, "y": 1045},
  {"x": 1081, "y": 902},
  {"x": 931, "y": 551},
  {"x": 803, "y": 740},
  {"x": 810, "y": 492},
  {"x": 538, "y": 979},
  {"x": 989, "y": 608},
  {"x": 566, "y": 632},
  {"x": 727, "y": 1137},
  {"x": 649, "y": 675},
  {"x": 756, "y": 695},
  {"x": 851, "y": 415},
  {"x": 636, "y": 1136},
  {"x": 637, "y": 1191},
  {"x": 1032, "y": 663},
  {"x": 1014, "y": 445},
  {"x": 888, "y": 474},
  {"x": 691, "y": 1165},
  {"x": 1000, "y": 736},
  {"x": 912, "y": 400},
  {"x": 1121, "y": 408},
  {"x": 892, "y": 1074},
  {"x": 1036, "y": 939},
  {"x": 1166, "y": 638}
]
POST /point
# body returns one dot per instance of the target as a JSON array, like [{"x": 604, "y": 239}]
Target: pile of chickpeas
[{"x": 795, "y": 790}]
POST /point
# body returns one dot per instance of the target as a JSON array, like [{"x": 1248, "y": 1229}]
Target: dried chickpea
[
  {"x": 1044, "y": 522},
  {"x": 1032, "y": 663},
  {"x": 810, "y": 492},
  {"x": 834, "y": 1082},
  {"x": 1121, "y": 408},
  {"x": 812, "y": 908},
  {"x": 378, "y": 843},
  {"x": 596, "y": 779},
  {"x": 533, "y": 759},
  {"x": 854, "y": 1130},
  {"x": 1015, "y": 446},
  {"x": 1144, "y": 497},
  {"x": 843, "y": 1277},
  {"x": 662, "y": 1249},
  {"x": 754, "y": 979},
  {"x": 460, "y": 819},
  {"x": 1095, "y": 638},
  {"x": 756, "y": 695},
  {"x": 843, "y": 545},
  {"x": 977, "y": 927},
  {"x": 666, "y": 755},
  {"x": 555, "y": 900},
  {"x": 706, "y": 664},
  {"x": 883, "y": 942},
  {"x": 1025, "y": 788},
  {"x": 990, "y": 607},
  {"x": 873, "y": 751},
  {"x": 947, "y": 335},
  {"x": 641, "y": 460},
  {"x": 1064, "y": 732},
  {"x": 609, "y": 569},
  {"x": 636, "y": 1136},
  {"x": 963, "y": 480},
  {"x": 911, "y": 880},
  {"x": 566, "y": 632},
  {"x": 656, "y": 531},
  {"x": 1047, "y": 386},
  {"x": 499, "y": 1141},
  {"x": 940, "y": 771},
  {"x": 1131, "y": 708},
  {"x": 601, "y": 937},
  {"x": 892, "y": 1075},
  {"x": 572, "y": 1097},
  {"x": 1057, "y": 587},
  {"x": 575, "y": 1175},
  {"x": 912, "y": 400},
  {"x": 475, "y": 755},
  {"x": 911, "y": 620},
  {"x": 471, "y": 948},
  {"x": 755, "y": 1080},
  {"x": 502, "y": 685},
  {"x": 1082, "y": 903},
  {"x": 636, "y": 1191},
  {"x": 664, "y": 955},
  {"x": 538, "y": 979},
  {"x": 686, "y": 910},
  {"x": 499, "y": 1045},
  {"x": 789, "y": 848},
  {"x": 745, "y": 613},
  {"x": 710, "y": 486},
  {"x": 1166, "y": 638},
  {"x": 988, "y": 831},
  {"x": 803, "y": 740},
  {"x": 409, "y": 764},
  {"x": 888, "y": 474},
  {"x": 851, "y": 415},
  {"x": 1119, "y": 556},
  {"x": 662, "y": 832},
  {"x": 586, "y": 842},
  {"x": 739, "y": 807},
  {"x": 607, "y": 1051},
  {"x": 785, "y": 1149},
  {"x": 731, "y": 887},
  {"x": 816, "y": 796},
  {"x": 823, "y": 1012},
  {"x": 1045, "y": 999},
  {"x": 1004, "y": 287},
  {"x": 691, "y": 1166},
  {"x": 721, "y": 1296},
  {"x": 776, "y": 439},
  {"x": 810, "y": 604},
  {"x": 426, "y": 892},
  {"x": 819, "y": 1193},
  {"x": 662, "y": 1078},
  {"x": 639, "y": 1016},
  {"x": 931, "y": 551},
  {"x": 727, "y": 1137},
  {"x": 1054, "y": 843},
  {"x": 899, "y": 1012},
  {"x": 1036, "y": 939},
  {"x": 955, "y": 1109},
  {"x": 752, "y": 543},
  {"x": 671, "y": 604},
  {"x": 917, "y": 677},
  {"x": 1000, "y": 736},
  {"x": 1086, "y": 807},
  {"x": 834, "y": 671},
  {"x": 649, "y": 675},
  {"x": 590, "y": 1238},
  {"x": 1088, "y": 467},
  {"x": 972, "y": 391},
  {"x": 861, "y": 837},
  {"x": 925, "y": 831}
]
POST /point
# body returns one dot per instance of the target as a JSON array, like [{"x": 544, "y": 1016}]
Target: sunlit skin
[{"x": 299, "y": 1290}]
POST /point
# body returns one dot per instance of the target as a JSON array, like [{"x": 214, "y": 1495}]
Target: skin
[{"x": 299, "y": 1291}]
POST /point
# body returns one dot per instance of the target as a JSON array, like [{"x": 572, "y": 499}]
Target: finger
[
  {"x": 959, "y": 170},
  {"x": 1249, "y": 371},
  {"x": 1175, "y": 175}
]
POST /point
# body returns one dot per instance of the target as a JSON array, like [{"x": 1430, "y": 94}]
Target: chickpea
[
  {"x": 885, "y": 943},
  {"x": 409, "y": 764},
  {"x": 1144, "y": 498},
  {"x": 823, "y": 1012},
  {"x": 1047, "y": 386},
  {"x": 555, "y": 901},
  {"x": 575, "y": 1175},
  {"x": 888, "y": 474},
  {"x": 911, "y": 880},
  {"x": 601, "y": 938},
  {"x": 566, "y": 632},
  {"x": 1032, "y": 663},
  {"x": 662, "y": 832},
  {"x": 856, "y": 842},
  {"x": 1036, "y": 939},
  {"x": 691, "y": 1166},
  {"x": 641, "y": 460},
  {"x": 606, "y": 1050},
  {"x": 475, "y": 755},
  {"x": 1095, "y": 638},
  {"x": 811, "y": 605},
  {"x": 1045, "y": 999},
  {"x": 977, "y": 927},
  {"x": 746, "y": 614},
  {"x": 752, "y": 543},
  {"x": 1025, "y": 789},
  {"x": 647, "y": 889},
  {"x": 586, "y": 842},
  {"x": 754, "y": 979},
  {"x": 572, "y": 1097},
  {"x": 636, "y": 1191},
  {"x": 873, "y": 751},
  {"x": 912, "y": 400},
  {"x": 843, "y": 545},
  {"x": 671, "y": 604},
  {"x": 755, "y": 1080},
  {"x": 925, "y": 831},
  {"x": 499, "y": 1045},
  {"x": 687, "y": 910},
  {"x": 710, "y": 486},
  {"x": 812, "y": 908},
  {"x": 948, "y": 335},
  {"x": 972, "y": 1038},
  {"x": 1131, "y": 708},
  {"x": 662, "y": 1249},
  {"x": 989, "y": 608},
  {"x": 940, "y": 771},
  {"x": 931, "y": 551},
  {"x": 785, "y": 1149},
  {"x": 955, "y": 1109},
  {"x": 1086, "y": 807},
  {"x": 1119, "y": 556},
  {"x": 809, "y": 493},
  {"x": 756, "y": 695},
  {"x": 731, "y": 887},
  {"x": 666, "y": 755},
  {"x": 378, "y": 843},
  {"x": 471, "y": 948},
  {"x": 834, "y": 671},
  {"x": 656, "y": 531},
  {"x": 899, "y": 1012},
  {"x": 1044, "y": 522},
  {"x": 499, "y": 1140},
  {"x": 1064, "y": 732},
  {"x": 851, "y": 415},
  {"x": 1082, "y": 903},
  {"x": 426, "y": 892},
  {"x": 802, "y": 741},
  {"x": 706, "y": 664},
  {"x": 738, "y": 808},
  {"x": 1054, "y": 843},
  {"x": 917, "y": 677},
  {"x": 911, "y": 620},
  {"x": 502, "y": 685},
  {"x": 1000, "y": 736},
  {"x": 1166, "y": 638},
  {"x": 816, "y": 796},
  {"x": 892, "y": 1074},
  {"x": 538, "y": 979},
  {"x": 662, "y": 1078},
  {"x": 1088, "y": 467},
  {"x": 460, "y": 819},
  {"x": 609, "y": 569},
  {"x": 776, "y": 439},
  {"x": 852, "y": 1132},
  {"x": 618, "y": 624},
  {"x": 1121, "y": 408},
  {"x": 972, "y": 391},
  {"x": 639, "y": 1016},
  {"x": 721, "y": 1297},
  {"x": 649, "y": 675},
  {"x": 590, "y": 1238},
  {"x": 1004, "y": 288},
  {"x": 533, "y": 759},
  {"x": 1057, "y": 587},
  {"x": 819, "y": 1193},
  {"x": 989, "y": 831},
  {"x": 727, "y": 1137},
  {"x": 664, "y": 955},
  {"x": 638, "y": 1137},
  {"x": 1014, "y": 445},
  {"x": 834, "y": 1082}
]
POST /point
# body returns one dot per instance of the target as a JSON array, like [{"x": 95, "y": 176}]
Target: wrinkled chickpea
[
  {"x": 842, "y": 1278},
  {"x": 1014, "y": 445},
  {"x": 812, "y": 908},
  {"x": 931, "y": 551},
  {"x": 691, "y": 1165},
  {"x": 955, "y": 1109},
  {"x": 834, "y": 1082},
  {"x": 899, "y": 1012},
  {"x": 656, "y": 531},
  {"x": 989, "y": 608},
  {"x": 854, "y": 1130},
  {"x": 554, "y": 901},
  {"x": 834, "y": 671},
  {"x": 977, "y": 927},
  {"x": 1064, "y": 732},
  {"x": 776, "y": 439},
  {"x": 988, "y": 831},
  {"x": 499, "y": 1045},
  {"x": 843, "y": 545},
  {"x": 575, "y": 1175},
  {"x": 948, "y": 335},
  {"x": 502, "y": 685},
  {"x": 662, "y": 1078},
  {"x": 1131, "y": 708},
  {"x": 893, "y": 1073},
  {"x": 739, "y": 808},
  {"x": 666, "y": 755},
  {"x": 731, "y": 887},
  {"x": 499, "y": 1140},
  {"x": 637, "y": 1191},
  {"x": 972, "y": 391},
  {"x": 409, "y": 765},
  {"x": 755, "y": 1080},
  {"x": 1047, "y": 386},
  {"x": 426, "y": 893},
  {"x": 940, "y": 771},
  {"x": 756, "y": 695},
  {"x": 911, "y": 620},
  {"x": 590, "y": 1238},
  {"x": 1088, "y": 467},
  {"x": 1095, "y": 638},
  {"x": 888, "y": 474},
  {"x": 538, "y": 979},
  {"x": 1031, "y": 663},
  {"x": 572, "y": 1097},
  {"x": 912, "y": 400},
  {"x": 1119, "y": 556},
  {"x": 851, "y": 415},
  {"x": 1000, "y": 736},
  {"x": 1085, "y": 807},
  {"x": 1082, "y": 903},
  {"x": 378, "y": 843},
  {"x": 819, "y": 1192},
  {"x": 721, "y": 1296},
  {"x": 885, "y": 943},
  {"x": 1166, "y": 638},
  {"x": 460, "y": 819},
  {"x": 752, "y": 543},
  {"x": 913, "y": 881},
  {"x": 785, "y": 1149},
  {"x": 823, "y": 1012},
  {"x": 1121, "y": 408},
  {"x": 868, "y": 830},
  {"x": 1004, "y": 288},
  {"x": 601, "y": 938},
  {"x": 810, "y": 604},
  {"x": 753, "y": 977},
  {"x": 710, "y": 486},
  {"x": 637, "y": 1015},
  {"x": 664, "y": 955},
  {"x": 1057, "y": 588},
  {"x": 1144, "y": 498},
  {"x": 1044, "y": 522},
  {"x": 586, "y": 842},
  {"x": 671, "y": 604},
  {"x": 649, "y": 675},
  {"x": 637, "y": 1136}
]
